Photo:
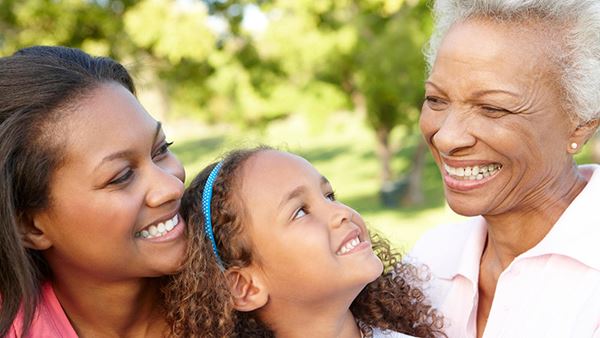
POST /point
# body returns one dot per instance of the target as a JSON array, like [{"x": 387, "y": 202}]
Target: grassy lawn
[{"x": 342, "y": 149}]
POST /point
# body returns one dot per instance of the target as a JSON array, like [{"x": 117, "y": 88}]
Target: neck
[
  {"x": 325, "y": 320},
  {"x": 513, "y": 232},
  {"x": 112, "y": 309}
]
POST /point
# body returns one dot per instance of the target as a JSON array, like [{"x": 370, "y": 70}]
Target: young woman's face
[
  {"x": 310, "y": 247},
  {"x": 118, "y": 183}
]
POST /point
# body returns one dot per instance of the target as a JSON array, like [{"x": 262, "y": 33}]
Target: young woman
[{"x": 85, "y": 172}]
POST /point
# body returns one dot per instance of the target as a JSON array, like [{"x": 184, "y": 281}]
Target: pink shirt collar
[{"x": 576, "y": 234}]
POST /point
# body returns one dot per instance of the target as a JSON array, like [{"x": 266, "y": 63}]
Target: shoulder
[
  {"x": 446, "y": 240},
  {"x": 49, "y": 319},
  {"x": 378, "y": 333}
]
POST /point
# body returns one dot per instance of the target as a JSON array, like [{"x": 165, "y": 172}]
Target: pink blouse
[
  {"x": 50, "y": 321},
  {"x": 551, "y": 290}
]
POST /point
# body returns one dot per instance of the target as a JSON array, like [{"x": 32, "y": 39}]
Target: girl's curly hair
[{"x": 198, "y": 300}]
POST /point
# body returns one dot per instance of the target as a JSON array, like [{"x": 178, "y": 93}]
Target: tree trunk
[
  {"x": 384, "y": 153},
  {"x": 414, "y": 194}
]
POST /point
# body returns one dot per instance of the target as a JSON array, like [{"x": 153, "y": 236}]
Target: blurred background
[{"x": 339, "y": 82}]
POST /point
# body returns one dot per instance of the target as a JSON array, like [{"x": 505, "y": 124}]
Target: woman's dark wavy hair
[
  {"x": 38, "y": 86},
  {"x": 199, "y": 303}
]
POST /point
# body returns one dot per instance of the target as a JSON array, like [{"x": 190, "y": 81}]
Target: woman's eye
[
  {"x": 435, "y": 102},
  {"x": 163, "y": 149},
  {"x": 300, "y": 213},
  {"x": 494, "y": 111},
  {"x": 330, "y": 196},
  {"x": 122, "y": 178}
]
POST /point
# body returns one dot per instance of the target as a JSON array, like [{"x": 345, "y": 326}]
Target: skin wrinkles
[
  {"x": 538, "y": 178},
  {"x": 530, "y": 109}
]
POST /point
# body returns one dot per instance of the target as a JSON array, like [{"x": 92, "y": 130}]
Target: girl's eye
[
  {"x": 331, "y": 196},
  {"x": 123, "y": 178},
  {"x": 300, "y": 213},
  {"x": 435, "y": 102},
  {"x": 163, "y": 149}
]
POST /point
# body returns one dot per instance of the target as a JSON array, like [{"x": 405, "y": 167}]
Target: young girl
[{"x": 274, "y": 254}]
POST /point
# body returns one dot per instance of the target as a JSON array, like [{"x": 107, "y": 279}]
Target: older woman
[{"x": 513, "y": 94}]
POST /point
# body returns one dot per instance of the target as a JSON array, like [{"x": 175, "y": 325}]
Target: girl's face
[
  {"x": 118, "y": 180},
  {"x": 309, "y": 246}
]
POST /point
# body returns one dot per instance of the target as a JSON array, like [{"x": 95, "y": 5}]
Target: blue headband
[{"x": 206, "y": 199}]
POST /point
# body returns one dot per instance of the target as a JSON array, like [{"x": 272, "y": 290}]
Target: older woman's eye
[
  {"x": 435, "y": 102},
  {"x": 494, "y": 111}
]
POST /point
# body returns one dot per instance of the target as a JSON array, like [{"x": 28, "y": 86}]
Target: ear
[
  {"x": 247, "y": 288},
  {"x": 32, "y": 233},
  {"x": 582, "y": 133}
]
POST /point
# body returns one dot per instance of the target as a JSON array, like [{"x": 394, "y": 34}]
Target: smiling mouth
[
  {"x": 159, "y": 229},
  {"x": 348, "y": 246},
  {"x": 474, "y": 173}
]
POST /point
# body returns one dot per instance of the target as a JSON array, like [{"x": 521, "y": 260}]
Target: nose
[
  {"x": 340, "y": 214},
  {"x": 453, "y": 133},
  {"x": 166, "y": 184}
]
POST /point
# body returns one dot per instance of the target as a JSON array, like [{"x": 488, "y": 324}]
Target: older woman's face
[{"x": 493, "y": 118}]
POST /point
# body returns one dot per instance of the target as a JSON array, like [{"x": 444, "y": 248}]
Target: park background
[{"x": 339, "y": 82}]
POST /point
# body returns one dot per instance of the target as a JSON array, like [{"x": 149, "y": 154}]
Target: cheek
[
  {"x": 103, "y": 217},
  {"x": 427, "y": 124}
]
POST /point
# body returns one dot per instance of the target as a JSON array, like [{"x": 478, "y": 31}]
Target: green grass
[{"x": 342, "y": 149}]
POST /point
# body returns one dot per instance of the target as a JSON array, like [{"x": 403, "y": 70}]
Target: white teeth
[
  {"x": 169, "y": 225},
  {"x": 349, "y": 246},
  {"x": 159, "y": 229},
  {"x": 473, "y": 173}
]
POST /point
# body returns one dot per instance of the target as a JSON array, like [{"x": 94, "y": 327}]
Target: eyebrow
[
  {"x": 127, "y": 153},
  {"x": 298, "y": 191},
  {"x": 481, "y": 93},
  {"x": 429, "y": 82}
]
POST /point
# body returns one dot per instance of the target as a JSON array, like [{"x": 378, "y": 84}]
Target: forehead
[
  {"x": 497, "y": 51},
  {"x": 107, "y": 119},
  {"x": 278, "y": 169}
]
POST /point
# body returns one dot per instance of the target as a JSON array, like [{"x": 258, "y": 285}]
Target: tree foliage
[{"x": 203, "y": 58}]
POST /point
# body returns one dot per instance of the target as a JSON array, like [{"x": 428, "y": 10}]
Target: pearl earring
[{"x": 573, "y": 145}]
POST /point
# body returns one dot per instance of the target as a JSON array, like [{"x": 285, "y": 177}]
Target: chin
[
  {"x": 373, "y": 269},
  {"x": 467, "y": 206}
]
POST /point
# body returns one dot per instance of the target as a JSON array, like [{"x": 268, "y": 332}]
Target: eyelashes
[
  {"x": 304, "y": 210},
  {"x": 163, "y": 149},
  {"x": 126, "y": 175}
]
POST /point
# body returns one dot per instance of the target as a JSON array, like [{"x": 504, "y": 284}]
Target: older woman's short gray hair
[{"x": 580, "y": 59}]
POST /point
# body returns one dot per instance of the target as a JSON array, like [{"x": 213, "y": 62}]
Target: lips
[
  {"x": 468, "y": 175},
  {"x": 473, "y": 173},
  {"x": 158, "y": 229},
  {"x": 350, "y": 243}
]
